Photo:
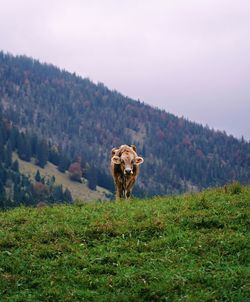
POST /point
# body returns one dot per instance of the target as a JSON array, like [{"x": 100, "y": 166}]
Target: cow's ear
[
  {"x": 133, "y": 147},
  {"x": 116, "y": 160},
  {"x": 139, "y": 160},
  {"x": 113, "y": 151}
]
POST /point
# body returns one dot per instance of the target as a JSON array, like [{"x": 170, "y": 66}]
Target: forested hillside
[
  {"x": 17, "y": 188},
  {"x": 33, "y": 171},
  {"x": 85, "y": 121}
]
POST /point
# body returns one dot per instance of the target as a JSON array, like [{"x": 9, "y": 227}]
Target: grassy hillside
[
  {"x": 182, "y": 248},
  {"x": 79, "y": 191}
]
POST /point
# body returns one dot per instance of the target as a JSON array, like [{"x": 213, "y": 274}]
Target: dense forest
[
  {"x": 84, "y": 121},
  {"x": 16, "y": 188}
]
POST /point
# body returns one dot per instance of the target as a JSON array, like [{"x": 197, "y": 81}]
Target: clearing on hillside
[{"x": 79, "y": 191}]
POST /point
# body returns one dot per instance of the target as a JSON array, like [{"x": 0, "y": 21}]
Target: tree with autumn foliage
[{"x": 75, "y": 171}]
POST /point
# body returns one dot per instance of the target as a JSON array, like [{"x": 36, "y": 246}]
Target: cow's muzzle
[{"x": 128, "y": 171}]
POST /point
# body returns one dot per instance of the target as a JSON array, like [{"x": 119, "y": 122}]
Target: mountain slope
[
  {"x": 86, "y": 120},
  {"x": 79, "y": 191},
  {"x": 31, "y": 171},
  {"x": 182, "y": 248}
]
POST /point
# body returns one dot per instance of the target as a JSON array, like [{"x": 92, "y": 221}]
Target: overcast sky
[{"x": 189, "y": 57}]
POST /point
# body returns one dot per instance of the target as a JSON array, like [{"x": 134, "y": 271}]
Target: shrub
[{"x": 233, "y": 188}]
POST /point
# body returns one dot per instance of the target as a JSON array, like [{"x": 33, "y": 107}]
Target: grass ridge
[{"x": 181, "y": 248}]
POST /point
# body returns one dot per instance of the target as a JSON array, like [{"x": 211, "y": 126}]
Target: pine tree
[
  {"x": 14, "y": 137},
  {"x": 34, "y": 142},
  {"x": 8, "y": 155},
  {"x": 2, "y": 195},
  {"x": 42, "y": 153},
  {"x": 52, "y": 180},
  {"x": 63, "y": 164},
  {"x": 58, "y": 194},
  {"x": 24, "y": 146},
  {"x": 28, "y": 152},
  {"x": 1, "y": 145},
  {"x": 92, "y": 177},
  {"x": 17, "y": 194},
  {"x": 15, "y": 166},
  {"x": 67, "y": 196},
  {"x": 38, "y": 176},
  {"x": 21, "y": 146},
  {"x": 54, "y": 156}
]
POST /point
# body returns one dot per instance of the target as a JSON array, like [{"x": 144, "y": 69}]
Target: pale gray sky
[{"x": 189, "y": 57}]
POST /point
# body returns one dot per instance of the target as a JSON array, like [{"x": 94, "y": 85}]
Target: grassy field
[
  {"x": 183, "y": 248},
  {"x": 79, "y": 191}
]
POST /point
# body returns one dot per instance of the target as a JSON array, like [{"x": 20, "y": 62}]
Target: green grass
[{"x": 184, "y": 248}]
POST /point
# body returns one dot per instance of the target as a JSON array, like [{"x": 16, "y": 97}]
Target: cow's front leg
[
  {"x": 130, "y": 185},
  {"x": 119, "y": 191},
  {"x": 128, "y": 193}
]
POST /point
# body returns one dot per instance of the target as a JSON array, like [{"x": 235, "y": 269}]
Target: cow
[{"x": 125, "y": 169}]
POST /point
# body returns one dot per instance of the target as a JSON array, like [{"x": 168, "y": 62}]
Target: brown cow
[{"x": 125, "y": 169}]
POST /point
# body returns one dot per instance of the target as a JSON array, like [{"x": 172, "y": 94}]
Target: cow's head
[{"x": 127, "y": 158}]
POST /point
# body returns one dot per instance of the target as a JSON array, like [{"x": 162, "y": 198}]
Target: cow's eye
[
  {"x": 122, "y": 161},
  {"x": 132, "y": 161}
]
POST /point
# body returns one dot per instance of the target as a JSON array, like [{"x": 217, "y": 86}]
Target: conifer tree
[
  {"x": 34, "y": 142},
  {"x": 1, "y": 146},
  {"x": 14, "y": 137},
  {"x": 92, "y": 177},
  {"x": 58, "y": 194},
  {"x": 28, "y": 152},
  {"x": 2, "y": 195},
  {"x": 38, "y": 176},
  {"x": 42, "y": 153},
  {"x": 67, "y": 195},
  {"x": 15, "y": 166},
  {"x": 63, "y": 164},
  {"x": 54, "y": 156},
  {"x": 21, "y": 146},
  {"x": 8, "y": 155}
]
